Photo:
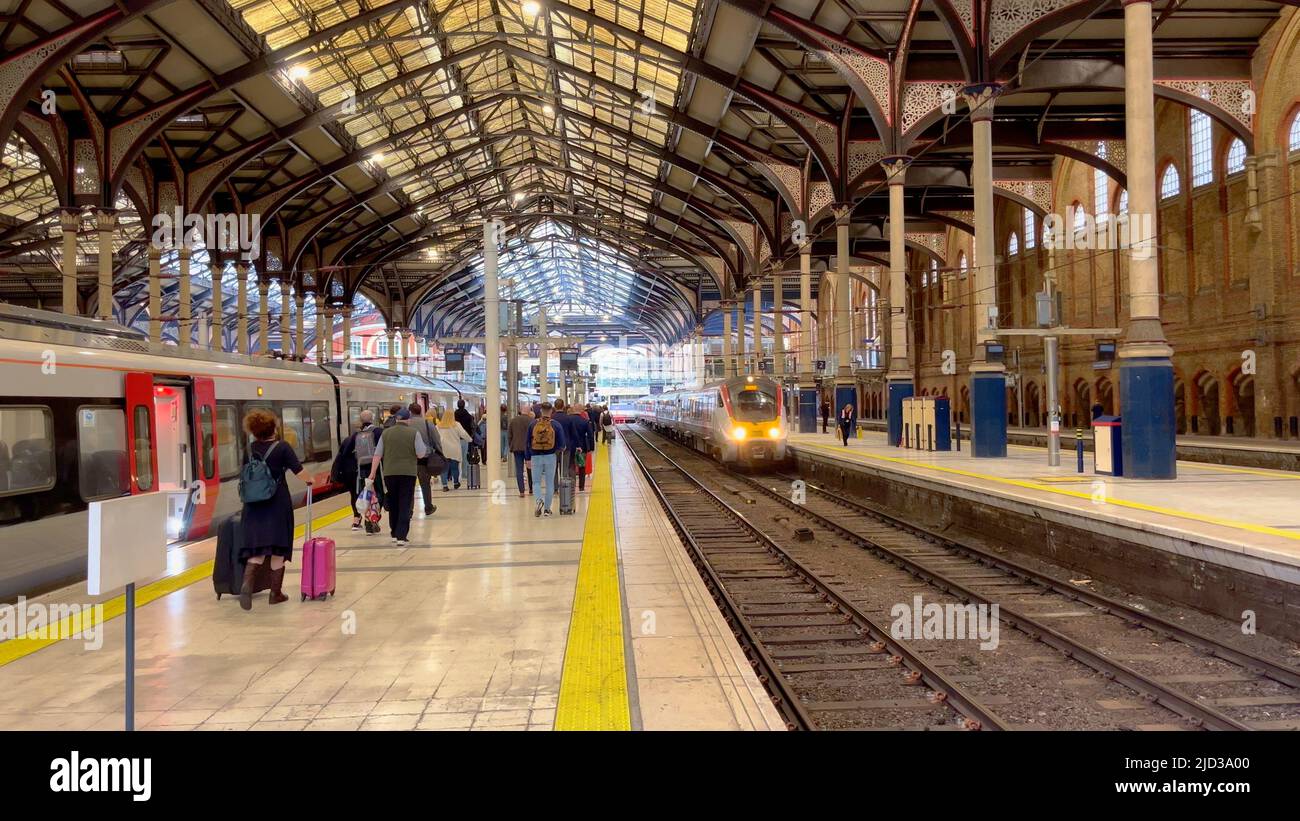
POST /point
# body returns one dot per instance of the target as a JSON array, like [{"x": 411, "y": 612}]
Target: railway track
[
  {"x": 1200, "y": 680},
  {"x": 791, "y": 623}
]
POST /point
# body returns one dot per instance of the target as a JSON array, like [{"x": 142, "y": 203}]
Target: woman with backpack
[
  {"x": 451, "y": 434},
  {"x": 268, "y": 510}
]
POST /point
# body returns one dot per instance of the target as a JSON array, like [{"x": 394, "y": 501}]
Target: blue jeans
[
  {"x": 520, "y": 471},
  {"x": 451, "y": 472},
  {"x": 544, "y": 478},
  {"x": 464, "y": 451}
]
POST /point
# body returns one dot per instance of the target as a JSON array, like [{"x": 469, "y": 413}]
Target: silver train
[
  {"x": 738, "y": 421},
  {"x": 90, "y": 410}
]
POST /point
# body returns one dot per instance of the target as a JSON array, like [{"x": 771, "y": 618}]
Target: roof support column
[
  {"x": 217, "y": 337},
  {"x": 778, "y": 323},
  {"x": 392, "y": 347},
  {"x": 285, "y": 333},
  {"x": 299, "y": 333},
  {"x": 758, "y": 325},
  {"x": 988, "y": 378},
  {"x": 842, "y": 342},
  {"x": 739, "y": 307},
  {"x": 324, "y": 331},
  {"x": 184, "y": 302},
  {"x": 543, "y": 380},
  {"x": 1146, "y": 370},
  {"x": 804, "y": 350},
  {"x": 105, "y": 222},
  {"x": 70, "y": 222},
  {"x": 899, "y": 378},
  {"x": 155, "y": 293},
  {"x": 728, "y": 364},
  {"x": 347, "y": 337},
  {"x": 263, "y": 317},
  {"x": 492, "y": 355}
]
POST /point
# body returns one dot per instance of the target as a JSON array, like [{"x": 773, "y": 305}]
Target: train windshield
[{"x": 755, "y": 406}]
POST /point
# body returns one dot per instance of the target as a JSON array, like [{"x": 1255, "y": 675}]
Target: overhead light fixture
[
  {"x": 532, "y": 8},
  {"x": 377, "y": 157},
  {"x": 519, "y": 196},
  {"x": 299, "y": 73},
  {"x": 548, "y": 110}
]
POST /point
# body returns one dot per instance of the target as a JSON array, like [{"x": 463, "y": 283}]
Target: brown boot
[
  {"x": 246, "y": 589},
  {"x": 277, "y": 580}
]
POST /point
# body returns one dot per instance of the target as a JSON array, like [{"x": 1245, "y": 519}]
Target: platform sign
[
  {"x": 127, "y": 543},
  {"x": 821, "y": 365},
  {"x": 568, "y": 360},
  {"x": 537, "y": 370},
  {"x": 455, "y": 360}
]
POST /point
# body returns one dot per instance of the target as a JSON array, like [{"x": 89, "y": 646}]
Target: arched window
[
  {"x": 1030, "y": 229},
  {"x": 1080, "y": 219},
  {"x": 1100, "y": 189},
  {"x": 1236, "y": 157},
  {"x": 1170, "y": 184},
  {"x": 1121, "y": 207},
  {"x": 1013, "y": 245},
  {"x": 1293, "y": 141},
  {"x": 1202, "y": 166},
  {"x": 961, "y": 265},
  {"x": 382, "y": 348}
]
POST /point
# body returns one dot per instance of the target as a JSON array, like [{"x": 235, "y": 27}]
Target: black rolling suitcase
[
  {"x": 473, "y": 467},
  {"x": 227, "y": 569}
]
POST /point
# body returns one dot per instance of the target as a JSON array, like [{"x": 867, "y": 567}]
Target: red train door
[
  {"x": 142, "y": 449},
  {"x": 207, "y": 473}
]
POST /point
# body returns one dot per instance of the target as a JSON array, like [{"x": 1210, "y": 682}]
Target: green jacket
[{"x": 399, "y": 451}]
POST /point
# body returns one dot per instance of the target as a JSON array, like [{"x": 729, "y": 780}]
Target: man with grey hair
[{"x": 353, "y": 462}]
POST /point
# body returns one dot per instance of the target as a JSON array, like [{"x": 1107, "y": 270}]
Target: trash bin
[{"x": 1107, "y": 449}]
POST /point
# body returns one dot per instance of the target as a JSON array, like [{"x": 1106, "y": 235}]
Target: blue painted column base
[
  {"x": 898, "y": 391},
  {"x": 808, "y": 410},
  {"x": 988, "y": 415},
  {"x": 1146, "y": 397}
]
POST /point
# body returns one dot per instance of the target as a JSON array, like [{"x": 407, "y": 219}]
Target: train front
[{"x": 754, "y": 433}]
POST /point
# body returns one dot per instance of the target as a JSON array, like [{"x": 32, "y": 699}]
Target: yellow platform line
[
  {"x": 14, "y": 649},
  {"x": 593, "y": 684},
  {"x": 1110, "y": 500}
]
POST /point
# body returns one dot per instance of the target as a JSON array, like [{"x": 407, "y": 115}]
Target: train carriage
[{"x": 738, "y": 421}]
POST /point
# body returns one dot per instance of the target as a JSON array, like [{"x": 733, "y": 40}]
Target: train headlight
[
  {"x": 775, "y": 433},
  {"x": 738, "y": 433}
]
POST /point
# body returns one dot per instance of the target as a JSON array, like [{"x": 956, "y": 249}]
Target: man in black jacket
[
  {"x": 466, "y": 420},
  {"x": 346, "y": 471}
]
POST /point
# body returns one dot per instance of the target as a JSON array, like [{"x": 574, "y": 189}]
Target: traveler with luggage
[
  {"x": 452, "y": 436},
  {"x": 267, "y": 516},
  {"x": 399, "y": 450},
  {"x": 353, "y": 463},
  {"x": 544, "y": 442},
  {"x": 433, "y": 463},
  {"x": 607, "y": 424},
  {"x": 578, "y": 442},
  {"x": 518, "y": 441},
  {"x": 466, "y": 420},
  {"x": 848, "y": 421}
]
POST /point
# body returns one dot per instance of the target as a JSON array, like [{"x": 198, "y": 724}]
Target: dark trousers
[
  {"x": 845, "y": 427},
  {"x": 825, "y": 421},
  {"x": 401, "y": 503},
  {"x": 422, "y": 476},
  {"x": 574, "y": 470},
  {"x": 352, "y": 480},
  {"x": 521, "y": 472}
]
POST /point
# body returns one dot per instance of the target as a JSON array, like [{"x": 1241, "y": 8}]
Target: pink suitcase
[{"x": 317, "y": 562}]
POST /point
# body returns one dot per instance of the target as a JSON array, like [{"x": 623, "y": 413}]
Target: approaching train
[
  {"x": 736, "y": 421},
  {"x": 90, "y": 410}
]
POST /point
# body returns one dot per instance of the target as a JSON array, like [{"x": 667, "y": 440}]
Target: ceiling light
[
  {"x": 299, "y": 73},
  {"x": 532, "y": 8},
  {"x": 548, "y": 110},
  {"x": 377, "y": 157},
  {"x": 519, "y": 196}
]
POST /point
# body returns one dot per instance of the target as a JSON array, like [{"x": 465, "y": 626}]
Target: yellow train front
[{"x": 737, "y": 421}]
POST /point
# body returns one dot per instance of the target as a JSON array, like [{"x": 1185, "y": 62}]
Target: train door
[
  {"x": 204, "y": 483},
  {"x": 172, "y": 437},
  {"x": 142, "y": 449}
]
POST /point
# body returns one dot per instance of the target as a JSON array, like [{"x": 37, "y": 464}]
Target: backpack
[
  {"x": 472, "y": 455},
  {"x": 256, "y": 482},
  {"x": 543, "y": 435},
  {"x": 364, "y": 447}
]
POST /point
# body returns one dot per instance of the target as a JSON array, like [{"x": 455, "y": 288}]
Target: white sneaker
[
  {"x": 394, "y": 540},
  {"x": 401, "y": 542},
  {"x": 546, "y": 512}
]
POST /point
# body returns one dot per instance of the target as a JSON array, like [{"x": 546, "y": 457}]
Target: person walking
[
  {"x": 391, "y": 419},
  {"x": 607, "y": 424},
  {"x": 466, "y": 420},
  {"x": 848, "y": 421},
  {"x": 452, "y": 437},
  {"x": 433, "y": 463},
  {"x": 352, "y": 462},
  {"x": 577, "y": 436},
  {"x": 518, "y": 441},
  {"x": 544, "y": 442},
  {"x": 399, "y": 450},
  {"x": 826, "y": 415},
  {"x": 268, "y": 524},
  {"x": 505, "y": 432}
]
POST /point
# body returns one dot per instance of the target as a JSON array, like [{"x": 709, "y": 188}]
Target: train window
[
  {"x": 293, "y": 429},
  {"x": 228, "y": 441},
  {"x": 320, "y": 428},
  {"x": 250, "y": 408},
  {"x": 208, "y": 444},
  {"x": 143, "y": 449},
  {"x": 354, "y": 417},
  {"x": 102, "y": 467},
  {"x": 755, "y": 406},
  {"x": 26, "y": 449}
]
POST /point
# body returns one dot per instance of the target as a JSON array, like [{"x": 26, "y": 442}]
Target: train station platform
[
  {"x": 491, "y": 619},
  {"x": 1241, "y": 523}
]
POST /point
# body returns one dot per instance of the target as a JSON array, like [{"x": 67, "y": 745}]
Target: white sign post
[{"x": 128, "y": 543}]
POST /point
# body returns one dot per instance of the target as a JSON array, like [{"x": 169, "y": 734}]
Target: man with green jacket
[{"x": 399, "y": 451}]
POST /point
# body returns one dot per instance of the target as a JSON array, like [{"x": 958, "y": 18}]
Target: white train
[
  {"x": 736, "y": 421},
  {"x": 90, "y": 410}
]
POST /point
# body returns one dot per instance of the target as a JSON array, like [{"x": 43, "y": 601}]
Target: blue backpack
[{"x": 256, "y": 482}]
